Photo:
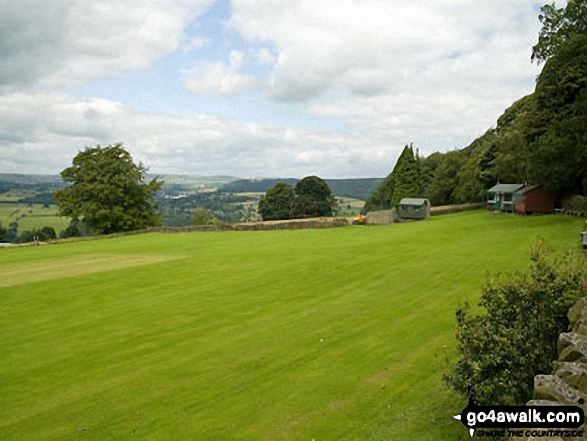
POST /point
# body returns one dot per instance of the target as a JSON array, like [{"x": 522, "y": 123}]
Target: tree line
[
  {"x": 225, "y": 207},
  {"x": 11, "y": 235}
]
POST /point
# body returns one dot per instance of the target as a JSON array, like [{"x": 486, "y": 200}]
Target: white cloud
[
  {"x": 265, "y": 57},
  {"x": 48, "y": 130},
  {"x": 196, "y": 43},
  {"x": 221, "y": 78},
  {"x": 64, "y": 43},
  {"x": 435, "y": 73},
  {"x": 376, "y": 47}
]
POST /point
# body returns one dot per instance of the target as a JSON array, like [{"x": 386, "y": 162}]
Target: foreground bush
[
  {"x": 575, "y": 203},
  {"x": 502, "y": 349}
]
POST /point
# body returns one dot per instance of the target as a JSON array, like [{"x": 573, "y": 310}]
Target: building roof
[
  {"x": 413, "y": 201},
  {"x": 505, "y": 188},
  {"x": 526, "y": 189}
]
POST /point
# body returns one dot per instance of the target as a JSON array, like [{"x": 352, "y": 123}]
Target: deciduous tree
[
  {"x": 310, "y": 197},
  {"x": 314, "y": 197},
  {"x": 557, "y": 139},
  {"x": 276, "y": 204},
  {"x": 202, "y": 217},
  {"x": 12, "y": 232},
  {"x": 558, "y": 27},
  {"x": 108, "y": 191}
]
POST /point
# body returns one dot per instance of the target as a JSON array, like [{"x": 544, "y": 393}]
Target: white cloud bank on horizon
[
  {"x": 168, "y": 143},
  {"x": 387, "y": 72}
]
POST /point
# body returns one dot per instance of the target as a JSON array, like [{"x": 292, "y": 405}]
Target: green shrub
[
  {"x": 515, "y": 338},
  {"x": 575, "y": 203},
  {"x": 45, "y": 233},
  {"x": 202, "y": 217}
]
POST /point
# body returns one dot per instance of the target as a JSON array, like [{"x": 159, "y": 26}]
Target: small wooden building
[
  {"x": 414, "y": 208},
  {"x": 501, "y": 196},
  {"x": 534, "y": 199}
]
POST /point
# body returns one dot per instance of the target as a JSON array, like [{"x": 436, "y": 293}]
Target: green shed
[
  {"x": 414, "y": 208},
  {"x": 501, "y": 196}
]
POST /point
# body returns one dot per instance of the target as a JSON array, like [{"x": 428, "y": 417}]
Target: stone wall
[
  {"x": 292, "y": 224},
  {"x": 381, "y": 217},
  {"x": 567, "y": 385},
  {"x": 456, "y": 208}
]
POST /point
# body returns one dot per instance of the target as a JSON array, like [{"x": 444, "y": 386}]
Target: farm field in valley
[
  {"x": 32, "y": 216},
  {"x": 334, "y": 334}
]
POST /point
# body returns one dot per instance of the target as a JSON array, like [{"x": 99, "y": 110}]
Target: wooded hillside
[{"x": 540, "y": 139}]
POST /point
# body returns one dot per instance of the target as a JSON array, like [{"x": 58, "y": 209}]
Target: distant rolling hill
[
  {"x": 351, "y": 188},
  {"x": 10, "y": 181}
]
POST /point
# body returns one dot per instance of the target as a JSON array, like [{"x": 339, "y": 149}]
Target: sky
[{"x": 257, "y": 88}]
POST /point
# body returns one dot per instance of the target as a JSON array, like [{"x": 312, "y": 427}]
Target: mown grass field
[{"x": 282, "y": 335}]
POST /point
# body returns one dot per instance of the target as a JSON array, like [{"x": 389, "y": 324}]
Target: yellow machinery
[{"x": 359, "y": 219}]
